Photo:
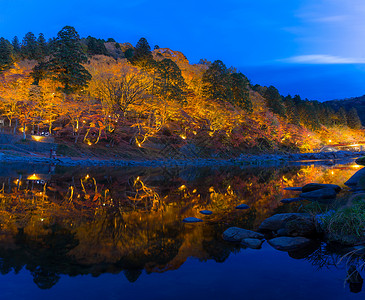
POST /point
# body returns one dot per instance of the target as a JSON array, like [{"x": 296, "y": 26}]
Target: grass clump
[{"x": 346, "y": 225}]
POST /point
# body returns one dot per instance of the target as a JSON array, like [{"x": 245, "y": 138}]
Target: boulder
[
  {"x": 300, "y": 227},
  {"x": 278, "y": 221},
  {"x": 235, "y": 234},
  {"x": 286, "y": 243},
  {"x": 290, "y": 200},
  {"x": 360, "y": 161},
  {"x": 192, "y": 220},
  {"x": 354, "y": 179},
  {"x": 295, "y": 189},
  {"x": 252, "y": 243},
  {"x": 322, "y": 194},
  {"x": 317, "y": 186},
  {"x": 242, "y": 206}
]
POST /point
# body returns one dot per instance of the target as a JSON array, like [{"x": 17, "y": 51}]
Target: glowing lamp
[{"x": 37, "y": 138}]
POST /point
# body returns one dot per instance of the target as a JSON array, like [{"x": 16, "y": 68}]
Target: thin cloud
[{"x": 322, "y": 59}]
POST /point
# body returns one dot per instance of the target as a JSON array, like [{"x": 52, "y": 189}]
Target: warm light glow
[
  {"x": 33, "y": 177},
  {"x": 87, "y": 176},
  {"x": 183, "y": 187},
  {"x": 37, "y": 137},
  {"x": 330, "y": 141},
  {"x": 183, "y": 136},
  {"x": 89, "y": 143}
]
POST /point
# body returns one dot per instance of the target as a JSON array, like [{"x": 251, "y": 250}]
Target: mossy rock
[{"x": 361, "y": 161}]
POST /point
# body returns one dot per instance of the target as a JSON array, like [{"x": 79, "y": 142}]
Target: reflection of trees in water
[{"x": 108, "y": 221}]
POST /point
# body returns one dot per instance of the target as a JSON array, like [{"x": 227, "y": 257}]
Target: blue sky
[{"x": 314, "y": 48}]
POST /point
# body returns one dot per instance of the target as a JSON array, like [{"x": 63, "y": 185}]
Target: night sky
[{"x": 314, "y": 48}]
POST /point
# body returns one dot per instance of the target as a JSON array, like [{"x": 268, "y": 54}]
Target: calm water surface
[{"x": 117, "y": 233}]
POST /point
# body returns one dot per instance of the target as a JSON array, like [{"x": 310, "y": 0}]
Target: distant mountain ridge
[{"x": 357, "y": 102}]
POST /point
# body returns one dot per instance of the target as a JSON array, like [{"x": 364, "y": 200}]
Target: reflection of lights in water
[
  {"x": 37, "y": 138},
  {"x": 33, "y": 177}
]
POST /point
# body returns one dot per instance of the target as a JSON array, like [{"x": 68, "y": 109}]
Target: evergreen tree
[
  {"x": 66, "y": 62},
  {"x": 291, "y": 110},
  {"x": 95, "y": 46},
  {"x": 341, "y": 117},
  {"x": 217, "y": 82},
  {"x": 142, "y": 55},
  {"x": 169, "y": 83},
  {"x": 42, "y": 50},
  {"x": 241, "y": 95},
  {"x": 111, "y": 40},
  {"x": 353, "y": 120},
  {"x": 16, "y": 45},
  {"x": 29, "y": 47},
  {"x": 275, "y": 101},
  {"x": 6, "y": 60}
]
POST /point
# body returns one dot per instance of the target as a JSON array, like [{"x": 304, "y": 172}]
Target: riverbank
[{"x": 244, "y": 159}]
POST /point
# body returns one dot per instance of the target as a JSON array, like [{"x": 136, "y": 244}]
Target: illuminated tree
[
  {"x": 353, "y": 120},
  {"x": 241, "y": 96},
  {"x": 142, "y": 55},
  {"x": 217, "y": 82},
  {"x": 169, "y": 83},
  {"x": 66, "y": 61}
]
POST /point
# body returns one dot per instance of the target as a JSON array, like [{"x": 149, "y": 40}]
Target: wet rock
[
  {"x": 293, "y": 188},
  {"x": 252, "y": 243},
  {"x": 300, "y": 227},
  {"x": 354, "y": 179},
  {"x": 360, "y": 161},
  {"x": 325, "y": 193},
  {"x": 235, "y": 234},
  {"x": 278, "y": 221},
  {"x": 290, "y": 200},
  {"x": 318, "y": 186},
  {"x": 354, "y": 279},
  {"x": 206, "y": 212},
  {"x": 286, "y": 243},
  {"x": 192, "y": 220},
  {"x": 242, "y": 206}
]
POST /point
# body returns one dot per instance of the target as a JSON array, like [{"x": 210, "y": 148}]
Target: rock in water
[
  {"x": 192, "y": 220},
  {"x": 206, "y": 212},
  {"x": 277, "y": 221},
  {"x": 318, "y": 186},
  {"x": 322, "y": 194},
  {"x": 242, "y": 206},
  {"x": 286, "y": 243},
  {"x": 252, "y": 243},
  {"x": 360, "y": 161},
  {"x": 293, "y": 188},
  {"x": 235, "y": 234},
  {"x": 354, "y": 179},
  {"x": 291, "y": 200}
]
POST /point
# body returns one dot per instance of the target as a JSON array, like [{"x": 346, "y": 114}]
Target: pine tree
[
  {"x": 241, "y": 96},
  {"x": 291, "y": 110},
  {"x": 29, "y": 47},
  {"x": 42, "y": 47},
  {"x": 66, "y": 61},
  {"x": 341, "y": 117},
  {"x": 169, "y": 83},
  {"x": 16, "y": 45},
  {"x": 6, "y": 60},
  {"x": 275, "y": 101},
  {"x": 142, "y": 55},
  {"x": 217, "y": 82},
  {"x": 95, "y": 46},
  {"x": 353, "y": 120}
]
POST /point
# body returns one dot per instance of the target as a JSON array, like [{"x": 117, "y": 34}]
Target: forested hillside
[
  {"x": 357, "y": 103},
  {"x": 108, "y": 93}
]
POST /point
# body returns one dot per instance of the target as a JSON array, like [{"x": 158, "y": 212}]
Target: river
[{"x": 118, "y": 233}]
